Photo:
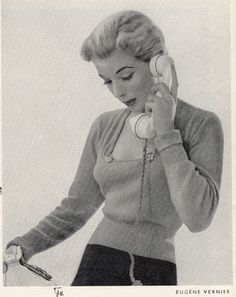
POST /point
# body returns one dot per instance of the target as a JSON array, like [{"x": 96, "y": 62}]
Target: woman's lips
[{"x": 130, "y": 102}]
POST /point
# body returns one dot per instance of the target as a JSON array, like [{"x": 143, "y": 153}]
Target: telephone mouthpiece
[{"x": 142, "y": 126}]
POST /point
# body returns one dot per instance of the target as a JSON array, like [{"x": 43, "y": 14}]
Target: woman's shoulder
[
  {"x": 108, "y": 121},
  {"x": 112, "y": 115},
  {"x": 109, "y": 118},
  {"x": 190, "y": 118}
]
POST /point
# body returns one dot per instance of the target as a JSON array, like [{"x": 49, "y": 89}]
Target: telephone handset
[{"x": 160, "y": 67}]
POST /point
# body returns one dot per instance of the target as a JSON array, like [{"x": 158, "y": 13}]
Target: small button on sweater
[{"x": 180, "y": 186}]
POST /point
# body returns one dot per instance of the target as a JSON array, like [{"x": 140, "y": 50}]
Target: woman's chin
[{"x": 137, "y": 109}]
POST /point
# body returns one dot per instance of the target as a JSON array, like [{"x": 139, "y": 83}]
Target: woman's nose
[{"x": 118, "y": 90}]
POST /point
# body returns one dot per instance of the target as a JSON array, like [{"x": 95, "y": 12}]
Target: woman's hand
[
  {"x": 162, "y": 109},
  {"x": 162, "y": 104}
]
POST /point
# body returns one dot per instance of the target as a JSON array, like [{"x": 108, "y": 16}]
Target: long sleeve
[
  {"x": 84, "y": 198},
  {"x": 194, "y": 175}
]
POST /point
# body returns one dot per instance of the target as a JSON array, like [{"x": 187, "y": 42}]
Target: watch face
[{"x": 12, "y": 254}]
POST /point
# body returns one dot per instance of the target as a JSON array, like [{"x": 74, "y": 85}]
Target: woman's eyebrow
[
  {"x": 118, "y": 71},
  {"x": 123, "y": 68}
]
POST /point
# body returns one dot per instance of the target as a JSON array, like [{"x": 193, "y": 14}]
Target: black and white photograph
[{"x": 116, "y": 148}]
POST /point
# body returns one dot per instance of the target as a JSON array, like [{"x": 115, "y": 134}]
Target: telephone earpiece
[{"x": 161, "y": 68}]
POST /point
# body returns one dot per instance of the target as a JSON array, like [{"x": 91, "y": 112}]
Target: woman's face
[{"x": 128, "y": 79}]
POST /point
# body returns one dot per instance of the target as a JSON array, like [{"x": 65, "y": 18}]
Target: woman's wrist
[
  {"x": 13, "y": 254},
  {"x": 167, "y": 138},
  {"x": 165, "y": 129}
]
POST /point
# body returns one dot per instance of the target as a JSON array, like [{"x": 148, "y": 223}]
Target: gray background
[{"x": 51, "y": 96}]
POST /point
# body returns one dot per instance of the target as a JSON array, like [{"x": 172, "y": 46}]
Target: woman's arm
[
  {"x": 194, "y": 179},
  {"x": 84, "y": 198}
]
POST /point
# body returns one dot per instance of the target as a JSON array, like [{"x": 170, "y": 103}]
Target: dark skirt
[{"x": 104, "y": 266}]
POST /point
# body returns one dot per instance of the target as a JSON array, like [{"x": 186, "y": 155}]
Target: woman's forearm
[
  {"x": 84, "y": 198},
  {"x": 194, "y": 178}
]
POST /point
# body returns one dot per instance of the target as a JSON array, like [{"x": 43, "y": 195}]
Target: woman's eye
[{"x": 128, "y": 77}]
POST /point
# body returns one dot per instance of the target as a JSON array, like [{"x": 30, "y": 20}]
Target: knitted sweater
[{"x": 180, "y": 186}]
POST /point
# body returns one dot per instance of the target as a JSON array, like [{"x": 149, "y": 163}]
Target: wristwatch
[{"x": 14, "y": 255}]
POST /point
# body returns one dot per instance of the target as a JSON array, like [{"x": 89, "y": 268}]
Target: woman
[{"x": 150, "y": 186}]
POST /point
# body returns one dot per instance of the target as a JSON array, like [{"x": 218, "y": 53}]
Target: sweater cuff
[
  {"x": 170, "y": 147},
  {"x": 167, "y": 139},
  {"x": 27, "y": 251}
]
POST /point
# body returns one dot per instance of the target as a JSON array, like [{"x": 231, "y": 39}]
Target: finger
[
  {"x": 174, "y": 86},
  {"x": 166, "y": 77},
  {"x": 157, "y": 97},
  {"x": 154, "y": 90},
  {"x": 148, "y": 107},
  {"x": 162, "y": 88},
  {"x": 154, "y": 98},
  {"x": 150, "y": 98}
]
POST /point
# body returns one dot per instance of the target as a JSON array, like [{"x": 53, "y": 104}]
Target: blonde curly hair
[{"x": 131, "y": 31}]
